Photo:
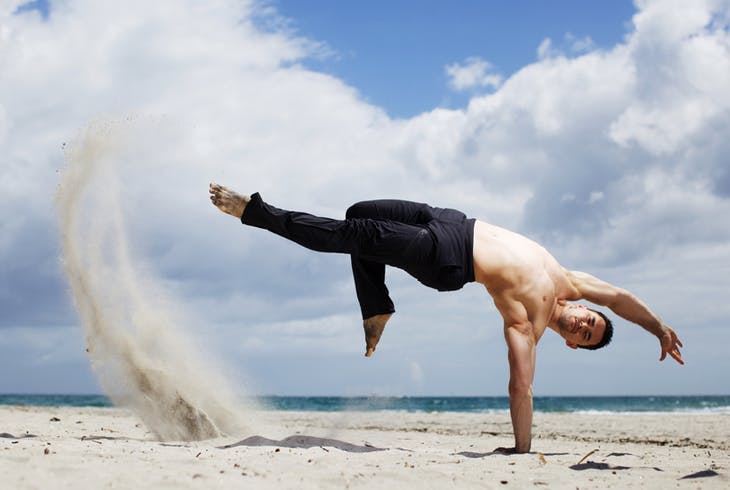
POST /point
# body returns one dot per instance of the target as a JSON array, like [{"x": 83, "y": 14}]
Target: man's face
[{"x": 580, "y": 326}]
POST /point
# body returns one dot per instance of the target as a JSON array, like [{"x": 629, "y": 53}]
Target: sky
[{"x": 599, "y": 132}]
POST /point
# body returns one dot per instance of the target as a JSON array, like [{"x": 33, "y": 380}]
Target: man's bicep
[{"x": 595, "y": 290}]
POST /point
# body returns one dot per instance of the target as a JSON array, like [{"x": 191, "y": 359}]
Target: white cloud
[
  {"x": 682, "y": 68},
  {"x": 595, "y": 196},
  {"x": 546, "y": 50},
  {"x": 635, "y": 135},
  {"x": 572, "y": 44},
  {"x": 580, "y": 45},
  {"x": 474, "y": 72}
]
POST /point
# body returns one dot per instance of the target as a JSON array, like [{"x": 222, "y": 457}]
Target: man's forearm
[
  {"x": 631, "y": 308},
  {"x": 520, "y": 407}
]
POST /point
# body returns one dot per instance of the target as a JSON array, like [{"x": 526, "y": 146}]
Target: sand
[
  {"x": 109, "y": 447},
  {"x": 135, "y": 329}
]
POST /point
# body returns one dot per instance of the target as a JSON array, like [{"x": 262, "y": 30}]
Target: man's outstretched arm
[{"x": 628, "y": 306}]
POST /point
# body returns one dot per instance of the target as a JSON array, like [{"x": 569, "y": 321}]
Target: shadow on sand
[
  {"x": 304, "y": 442},
  {"x": 700, "y": 474},
  {"x": 472, "y": 454},
  {"x": 94, "y": 438},
  {"x": 591, "y": 465},
  {"x": 5, "y": 435}
]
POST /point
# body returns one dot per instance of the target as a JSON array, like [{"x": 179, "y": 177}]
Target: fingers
[
  {"x": 677, "y": 356},
  {"x": 674, "y": 353}
]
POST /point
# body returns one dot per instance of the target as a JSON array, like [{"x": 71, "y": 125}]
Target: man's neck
[{"x": 557, "y": 311}]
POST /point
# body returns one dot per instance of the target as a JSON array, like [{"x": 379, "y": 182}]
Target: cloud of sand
[{"x": 135, "y": 337}]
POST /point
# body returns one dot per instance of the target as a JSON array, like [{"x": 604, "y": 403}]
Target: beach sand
[{"x": 49, "y": 447}]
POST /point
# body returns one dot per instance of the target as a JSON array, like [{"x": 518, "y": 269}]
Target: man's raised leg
[{"x": 371, "y": 242}]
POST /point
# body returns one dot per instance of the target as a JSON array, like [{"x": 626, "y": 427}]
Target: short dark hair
[{"x": 607, "y": 334}]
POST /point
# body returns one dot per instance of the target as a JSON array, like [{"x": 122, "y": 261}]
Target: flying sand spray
[{"x": 136, "y": 345}]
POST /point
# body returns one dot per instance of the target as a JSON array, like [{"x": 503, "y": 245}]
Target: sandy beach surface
[{"x": 49, "y": 447}]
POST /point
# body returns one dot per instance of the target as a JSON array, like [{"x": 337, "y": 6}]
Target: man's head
[{"x": 583, "y": 328}]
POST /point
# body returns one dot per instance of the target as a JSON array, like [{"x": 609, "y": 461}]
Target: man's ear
[{"x": 571, "y": 344}]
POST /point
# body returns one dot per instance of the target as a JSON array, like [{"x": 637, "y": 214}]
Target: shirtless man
[{"x": 444, "y": 250}]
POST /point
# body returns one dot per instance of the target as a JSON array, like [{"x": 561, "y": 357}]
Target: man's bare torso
[{"x": 524, "y": 280}]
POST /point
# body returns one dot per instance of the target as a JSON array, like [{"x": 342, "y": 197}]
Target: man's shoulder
[{"x": 566, "y": 284}]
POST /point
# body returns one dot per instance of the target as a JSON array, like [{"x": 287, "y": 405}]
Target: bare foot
[
  {"x": 228, "y": 201},
  {"x": 374, "y": 327}
]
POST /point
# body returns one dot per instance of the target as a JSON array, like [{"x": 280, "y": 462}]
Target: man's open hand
[
  {"x": 508, "y": 450},
  {"x": 670, "y": 345}
]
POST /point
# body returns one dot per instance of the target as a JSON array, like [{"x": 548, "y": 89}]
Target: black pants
[{"x": 434, "y": 245}]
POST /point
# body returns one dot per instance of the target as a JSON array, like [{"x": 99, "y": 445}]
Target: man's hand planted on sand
[
  {"x": 670, "y": 344},
  {"x": 506, "y": 450},
  {"x": 228, "y": 201}
]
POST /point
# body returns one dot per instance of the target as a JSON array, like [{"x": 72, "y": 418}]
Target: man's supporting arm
[
  {"x": 521, "y": 354},
  {"x": 628, "y": 306}
]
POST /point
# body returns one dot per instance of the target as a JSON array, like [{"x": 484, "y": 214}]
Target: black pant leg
[
  {"x": 372, "y": 243},
  {"x": 408, "y": 212},
  {"x": 369, "y": 275},
  {"x": 313, "y": 232},
  {"x": 372, "y": 293}
]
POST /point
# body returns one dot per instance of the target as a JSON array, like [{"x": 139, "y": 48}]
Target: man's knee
[{"x": 358, "y": 210}]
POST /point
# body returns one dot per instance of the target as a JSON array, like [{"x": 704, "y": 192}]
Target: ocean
[{"x": 717, "y": 404}]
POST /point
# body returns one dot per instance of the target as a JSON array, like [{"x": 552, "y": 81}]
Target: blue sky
[
  {"x": 595, "y": 128},
  {"x": 37, "y": 5},
  {"x": 394, "y": 51}
]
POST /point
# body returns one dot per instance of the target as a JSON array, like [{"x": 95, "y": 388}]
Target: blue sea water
[{"x": 554, "y": 404}]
